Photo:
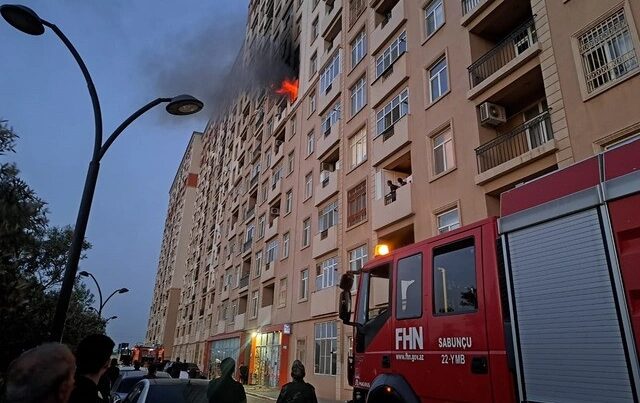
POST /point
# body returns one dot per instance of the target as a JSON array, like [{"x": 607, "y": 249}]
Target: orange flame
[{"x": 290, "y": 88}]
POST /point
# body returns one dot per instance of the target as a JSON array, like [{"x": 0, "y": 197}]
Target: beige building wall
[
  {"x": 515, "y": 59},
  {"x": 171, "y": 265}
]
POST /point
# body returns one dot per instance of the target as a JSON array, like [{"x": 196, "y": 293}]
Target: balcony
[
  {"x": 274, "y": 191},
  {"x": 244, "y": 283},
  {"x": 390, "y": 80},
  {"x": 325, "y": 99},
  {"x": 329, "y": 24},
  {"x": 325, "y": 241},
  {"x": 508, "y": 151},
  {"x": 250, "y": 213},
  {"x": 255, "y": 154},
  {"x": 278, "y": 153},
  {"x": 255, "y": 178},
  {"x": 232, "y": 231},
  {"x": 516, "y": 49},
  {"x": 238, "y": 323},
  {"x": 327, "y": 140},
  {"x": 390, "y": 141},
  {"x": 279, "y": 117},
  {"x": 264, "y": 315},
  {"x": 327, "y": 188},
  {"x": 324, "y": 301},
  {"x": 387, "y": 26},
  {"x": 392, "y": 208},
  {"x": 271, "y": 230},
  {"x": 246, "y": 247},
  {"x": 356, "y": 8},
  {"x": 471, "y": 8},
  {"x": 268, "y": 272}
]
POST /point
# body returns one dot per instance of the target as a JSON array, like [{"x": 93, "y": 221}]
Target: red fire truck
[{"x": 540, "y": 305}]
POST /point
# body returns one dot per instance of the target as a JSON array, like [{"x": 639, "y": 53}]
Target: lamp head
[
  {"x": 84, "y": 273},
  {"x": 123, "y": 290},
  {"x": 184, "y": 105},
  {"x": 22, "y": 18}
]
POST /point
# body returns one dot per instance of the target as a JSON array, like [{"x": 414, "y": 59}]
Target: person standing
[
  {"x": 297, "y": 391},
  {"x": 152, "y": 372},
  {"x": 92, "y": 361},
  {"x": 244, "y": 374},
  {"x": 43, "y": 374},
  {"x": 225, "y": 389}
]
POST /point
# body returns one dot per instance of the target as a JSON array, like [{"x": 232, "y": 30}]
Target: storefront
[
  {"x": 229, "y": 345},
  {"x": 269, "y": 356}
]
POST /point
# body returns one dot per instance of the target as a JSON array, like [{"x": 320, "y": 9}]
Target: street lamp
[
  {"x": 26, "y": 20},
  {"x": 123, "y": 290},
  {"x": 108, "y": 319}
]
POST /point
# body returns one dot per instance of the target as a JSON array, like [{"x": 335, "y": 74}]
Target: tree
[{"x": 32, "y": 261}]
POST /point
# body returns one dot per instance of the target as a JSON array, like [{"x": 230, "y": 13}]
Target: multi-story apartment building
[
  {"x": 411, "y": 118},
  {"x": 171, "y": 265}
]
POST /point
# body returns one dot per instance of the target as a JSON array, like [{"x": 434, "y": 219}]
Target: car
[
  {"x": 127, "y": 380},
  {"x": 168, "y": 391}
]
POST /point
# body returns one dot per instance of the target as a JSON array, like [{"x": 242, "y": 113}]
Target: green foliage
[{"x": 32, "y": 261}]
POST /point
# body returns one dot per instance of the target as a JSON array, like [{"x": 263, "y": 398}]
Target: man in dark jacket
[
  {"x": 92, "y": 361},
  {"x": 225, "y": 389},
  {"x": 297, "y": 391}
]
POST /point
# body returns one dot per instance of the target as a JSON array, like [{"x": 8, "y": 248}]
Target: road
[{"x": 253, "y": 399}]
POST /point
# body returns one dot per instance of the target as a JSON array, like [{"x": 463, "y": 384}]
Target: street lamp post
[
  {"x": 27, "y": 21},
  {"x": 102, "y": 304},
  {"x": 111, "y": 318}
]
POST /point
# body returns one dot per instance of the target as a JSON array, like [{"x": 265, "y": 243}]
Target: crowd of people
[{"x": 51, "y": 373}]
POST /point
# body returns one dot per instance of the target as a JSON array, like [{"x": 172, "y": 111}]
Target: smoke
[{"x": 213, "y": 64}]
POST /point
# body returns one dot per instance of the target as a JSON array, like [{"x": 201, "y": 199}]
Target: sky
[{"x": 135, "y": 51}]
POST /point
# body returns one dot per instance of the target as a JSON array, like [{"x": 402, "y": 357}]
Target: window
[
  {"x": 607, "y": 51},
  {"x": 290, "y": 162},
  {"x": 443, "y": 159},
  {"x": 358, "y": 48},
  {"x": 391, "y": 54},
  {"x": 306, "y": 232},
  {"x": 282, "y": 292},
  {"x": 254, "y": 304},
  {"x": 313, "y": 64},
  {"x": 257, "y": 268},
  {"x": 454, "y": 279},
  {"x": 326, "y": 358},
  {"x": 251, "y": 229},
  {"x": 357, "y": 204},
  {"x": 304, "y": 284},
  {"x": 358, "y": 95},
  {"x": 261, "y": 222},
  {"x": 328, "y": 216},
  {"x": 357, "y": 258},
  {"x": 314, "y": 29},
  {"x": 308, "y": 185},
  {"x": 326, "y": 273},
  {"x": 434, "y": 16},
  {"x": 264, "y": 191},
  {"x": 301, "y": 350},
  {"x": 285, "y": 245},
  {"x": 438, "y": 79},
  {"x": 330, "y": 73},
  {"x": 288, "y": 201},
  {"x": 332, "y": 117},
  {"x": 310, "y": 142},
  {"x": 272, "y": 251},
  {"x": 392, "y": 112},
  {"x": 409, "y": 287},
  {"x": 312, "y": 103},
  {"x": 358, "y": 147},
  {"x": 449, "y": 220},
  {"x": 293, "y": 126}
]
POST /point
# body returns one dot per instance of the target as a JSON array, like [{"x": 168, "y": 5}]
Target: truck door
[{"x": 457, "y": 363}]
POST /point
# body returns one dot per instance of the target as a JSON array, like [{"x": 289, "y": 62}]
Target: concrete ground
[{"x": 264, "y": 394}]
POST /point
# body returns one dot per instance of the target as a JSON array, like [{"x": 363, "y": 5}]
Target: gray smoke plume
[{"x": 211, "y": 64}]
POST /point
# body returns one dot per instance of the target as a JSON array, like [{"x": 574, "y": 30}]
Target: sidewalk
[{"x": 272, "y": 393}]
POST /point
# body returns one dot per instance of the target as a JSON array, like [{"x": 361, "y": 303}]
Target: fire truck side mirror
[
  {"x": 346, "y": 281},
  {"x": 344, "y": 310}
]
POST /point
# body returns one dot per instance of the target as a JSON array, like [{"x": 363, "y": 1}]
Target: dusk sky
[{"x": 136, "y": 51}]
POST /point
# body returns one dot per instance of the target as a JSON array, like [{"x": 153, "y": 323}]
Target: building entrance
[{"x": 267, "y": 359}]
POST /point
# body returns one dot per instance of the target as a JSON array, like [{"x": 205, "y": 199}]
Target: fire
[{"x": 290, "y": 88}]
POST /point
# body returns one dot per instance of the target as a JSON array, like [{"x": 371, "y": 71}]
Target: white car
[
  {"x": 168, "y": 391},
  {"x": 127, "y": 380}
]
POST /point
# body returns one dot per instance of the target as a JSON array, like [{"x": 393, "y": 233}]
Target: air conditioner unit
[
  {"x": 274, "y": 211},
  {"x": 492, "y": 114},
  {"x": 327, "y": 166}
]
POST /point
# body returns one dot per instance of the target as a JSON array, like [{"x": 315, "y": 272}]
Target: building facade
[
  {"x": 411, "y": 118},
  {"x": 171, "y": 265}
]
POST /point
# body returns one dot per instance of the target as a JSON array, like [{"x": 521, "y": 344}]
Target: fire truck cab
[{"x": 539, "y": 305}]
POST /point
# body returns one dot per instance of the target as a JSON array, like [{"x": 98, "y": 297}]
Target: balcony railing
[
  {"x": 470, "y": 5},
  {"x": 250, "y": 213},
  {"x": 521, "y": 39},
  {"x": 244, "y": 281},
  {"x": 247, "y": 245},
  {"x": 520, "y": 140},
  {"x": 356, "y": 8}
]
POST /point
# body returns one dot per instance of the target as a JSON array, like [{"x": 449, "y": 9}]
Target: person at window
[
  {"x": 225, "y": 389},
  {"x": 401, "y": 181},
  {"x": 297, "y": 391},
  {"x": 392, "y": 191}
]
